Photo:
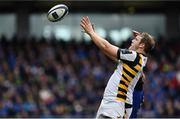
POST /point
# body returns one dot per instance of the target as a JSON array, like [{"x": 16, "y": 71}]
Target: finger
[
  {"x": 83, "y": 29},
  {"x": 82, "y": 21},
  {"x": 135, "y": 33},
  {"x": 86, "y": 17},
  {"x": 85, "y": 22},
  {"x": 82, "y": 25},
  {"x": 93, "y": 26},
  {"x": 88, "y": 20}
]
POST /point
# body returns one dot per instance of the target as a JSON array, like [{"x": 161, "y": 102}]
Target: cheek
[{"x": 137, "y": 44}]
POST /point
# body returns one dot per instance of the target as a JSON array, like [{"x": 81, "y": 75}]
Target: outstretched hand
[
  {"x": 135, "y": 33},
  {"x": 87, "y": 25}
]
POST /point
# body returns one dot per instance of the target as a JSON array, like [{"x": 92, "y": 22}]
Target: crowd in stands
[{"x": 40, "y": 78}]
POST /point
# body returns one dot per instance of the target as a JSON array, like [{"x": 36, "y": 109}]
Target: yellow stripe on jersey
[
  {"x": 120, "y": 99},
  {"x": 121, "y": 93},
  {"x": 129, "y": 69},
  {"x": 128, "y": 73},
  {"x": 140, "y": 61},
  {"x": 127, "y": 76},
  {"x": 123, "y": 86},
  {"x": 137, "y": 67},
  {"x": 126, "y": 82}
]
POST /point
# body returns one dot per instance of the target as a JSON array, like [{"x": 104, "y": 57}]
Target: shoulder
[{"x": 126, "y": 54}]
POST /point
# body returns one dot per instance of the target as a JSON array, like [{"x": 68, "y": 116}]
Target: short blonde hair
[{"x": 148, "y": 40}]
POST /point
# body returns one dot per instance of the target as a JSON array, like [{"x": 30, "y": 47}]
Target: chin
[{"x": 131, "y": 47}]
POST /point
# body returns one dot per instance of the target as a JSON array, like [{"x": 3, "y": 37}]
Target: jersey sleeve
[{"x": 127, "y": 55}]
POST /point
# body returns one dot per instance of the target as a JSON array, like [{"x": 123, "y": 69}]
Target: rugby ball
[{"x": 57, "y": 13}]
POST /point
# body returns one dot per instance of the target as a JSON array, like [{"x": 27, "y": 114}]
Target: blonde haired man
[{"x": 119, "y": 89}]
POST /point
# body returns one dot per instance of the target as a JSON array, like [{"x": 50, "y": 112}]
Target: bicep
[{"x": 111, "y": 51}]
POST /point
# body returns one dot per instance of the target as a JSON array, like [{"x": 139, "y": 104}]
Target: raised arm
[{"x": 107, "y": 48}]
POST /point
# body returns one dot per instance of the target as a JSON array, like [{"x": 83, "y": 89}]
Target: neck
[{"x": 141, "y": 51}]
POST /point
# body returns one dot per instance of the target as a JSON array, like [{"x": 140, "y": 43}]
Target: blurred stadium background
[{"x": 53, "y": 70}]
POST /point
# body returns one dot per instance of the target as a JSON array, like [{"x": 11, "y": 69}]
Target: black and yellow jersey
[{"x": 121, "y": 85}]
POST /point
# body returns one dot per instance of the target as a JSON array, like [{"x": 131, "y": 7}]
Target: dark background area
[
  {"x": 107, "y": 6},
  {"x": 169, "y": 8}
]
